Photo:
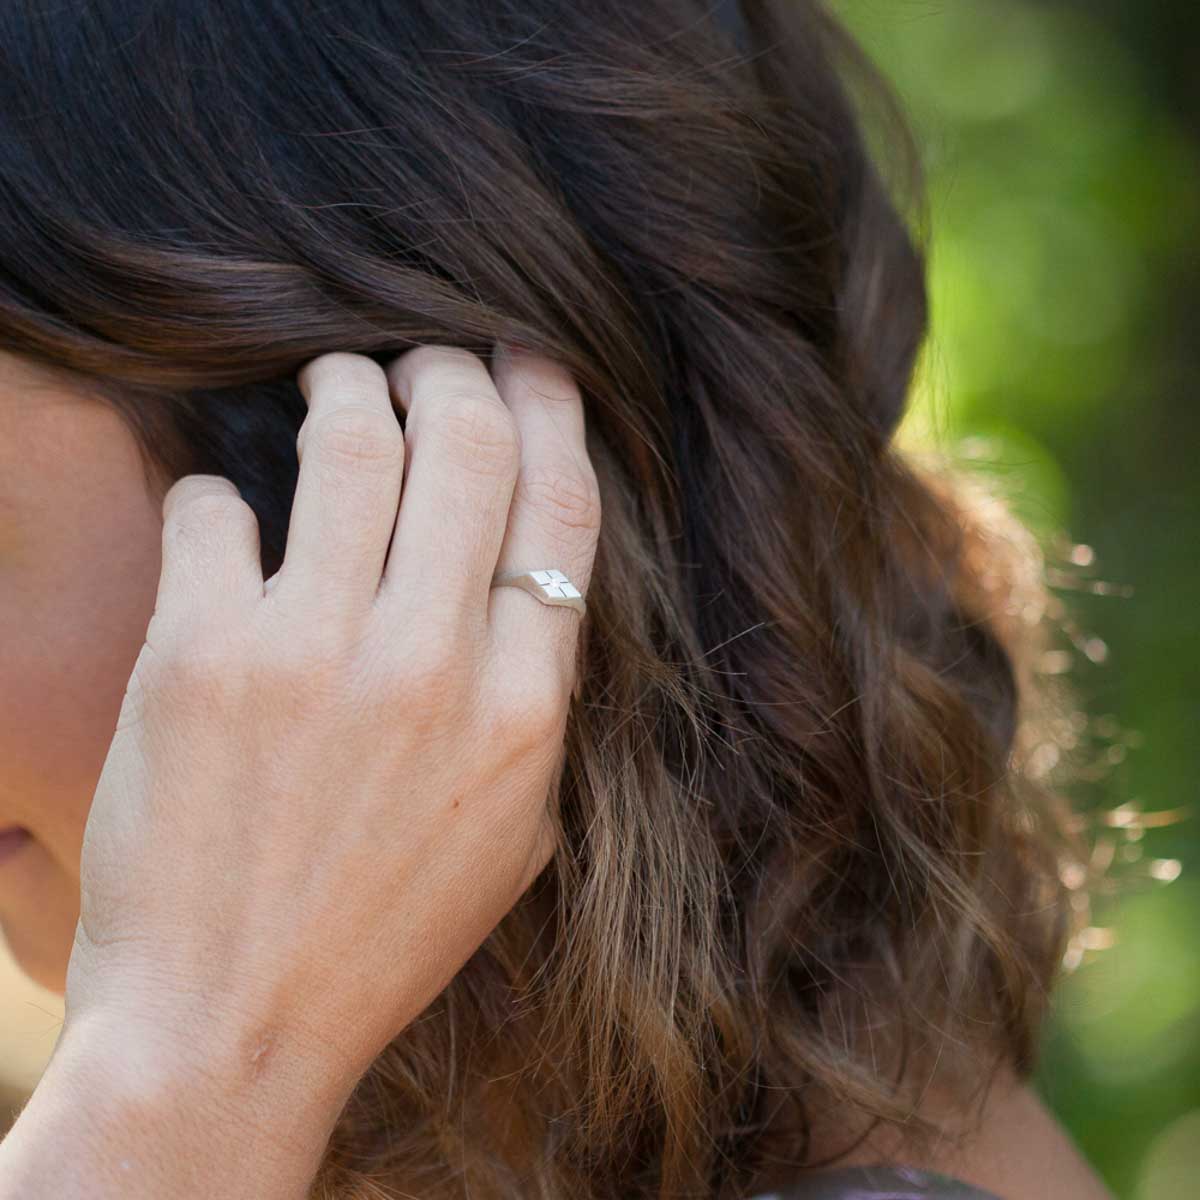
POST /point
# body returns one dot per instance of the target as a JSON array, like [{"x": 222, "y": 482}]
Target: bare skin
[
  {"x": 79, "y": 565},
  {"x": 81, "y": 559},
  {"x": 1015, "y": 1148}
]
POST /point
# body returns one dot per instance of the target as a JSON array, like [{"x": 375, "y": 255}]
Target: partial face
[{"x": 80, "y": 533}]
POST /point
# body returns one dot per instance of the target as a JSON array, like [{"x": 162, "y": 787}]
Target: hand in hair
[{"x": 327, "y": 788}]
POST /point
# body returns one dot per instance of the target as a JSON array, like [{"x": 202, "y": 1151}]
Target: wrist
[{"x": 135, "y": 1108}]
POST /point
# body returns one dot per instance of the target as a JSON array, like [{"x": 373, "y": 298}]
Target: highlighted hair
[{"x": 797, "y": 867}]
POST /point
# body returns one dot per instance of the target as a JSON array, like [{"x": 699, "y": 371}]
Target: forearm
[{"x": 115, "y": 1119}]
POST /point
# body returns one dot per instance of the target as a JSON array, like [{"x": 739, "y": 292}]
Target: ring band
[{"x": 550, "y": 586}]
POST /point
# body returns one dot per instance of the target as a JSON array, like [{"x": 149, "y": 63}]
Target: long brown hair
[{"x": 798, "y": 864}]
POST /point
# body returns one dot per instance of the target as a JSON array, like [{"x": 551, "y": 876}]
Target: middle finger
[
  {"x": 352, "y": 456},
  {"x": 463, "y": 457}
]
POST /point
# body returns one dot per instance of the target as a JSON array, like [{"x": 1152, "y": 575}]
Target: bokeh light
[
  {"x": 1064, "y": 198},
  {"x": 1172, "y": 1165}
]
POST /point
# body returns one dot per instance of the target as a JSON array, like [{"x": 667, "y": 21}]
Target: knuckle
[
  {"x": 425, "y": 696},
  {"x": 428, "y": 678},
  {"x": 357, "y": 435},
  {"x": 199, "y": 508},
  {"x": 300, "y": 676},
  {"x": 198, "y": 672},
  {"x": 439, "y": 368},
  {"x": 343, "y": 371},
  {"x": 477, "y": 432},
  {"x": 188, "y": 487},
  {"x": 528, "y": 713},
  {"x": 326, "y": 651},
  {"x": 308, "y": 680},
  {"x": 431, "y": 355},
  {"x": 563, "y": 498}
]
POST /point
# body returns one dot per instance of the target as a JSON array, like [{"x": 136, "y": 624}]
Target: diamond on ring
[
  {"x": 555, "y": 583},
  {"x": 547, "y": 584}
]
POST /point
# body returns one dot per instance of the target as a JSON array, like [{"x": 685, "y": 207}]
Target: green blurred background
[{"x": 1059, "y": 140}]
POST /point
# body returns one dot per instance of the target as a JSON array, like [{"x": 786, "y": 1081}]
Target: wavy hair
[{"x": 798, "y": 866}]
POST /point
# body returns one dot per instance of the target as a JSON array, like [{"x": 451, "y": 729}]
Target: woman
[{"x": 382, "y": 877}]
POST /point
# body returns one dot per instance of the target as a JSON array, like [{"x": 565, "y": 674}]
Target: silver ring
[{"x": 550, "y": 586}]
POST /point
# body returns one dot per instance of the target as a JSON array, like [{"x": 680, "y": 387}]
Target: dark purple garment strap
[{"x": 879, "y": 1183}]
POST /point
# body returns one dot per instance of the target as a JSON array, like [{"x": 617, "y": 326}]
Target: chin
[
  {"x": 38, "y": 963},
  {"x": 39, "y": 955},
  {"x": 49, "y": 975}
]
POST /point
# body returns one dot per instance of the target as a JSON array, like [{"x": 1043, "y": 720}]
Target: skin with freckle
[
  {"x": 801, "y": 881},
  {"x": 80, "y": 553},
  {"x": 80, "y": 530}
]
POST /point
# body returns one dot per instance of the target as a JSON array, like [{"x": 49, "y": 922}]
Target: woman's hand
[{"x": 326, "y": 790}]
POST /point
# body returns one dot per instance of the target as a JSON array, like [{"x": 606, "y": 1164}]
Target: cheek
[{"x": 81, "y": 626}]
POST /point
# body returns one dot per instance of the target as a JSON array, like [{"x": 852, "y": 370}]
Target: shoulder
[
  {"x": 1020, "y": 1151},
  {"x": 1016, "y": 1151}
]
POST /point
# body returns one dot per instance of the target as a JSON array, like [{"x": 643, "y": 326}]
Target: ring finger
[{"x": 554, "y": 518}]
